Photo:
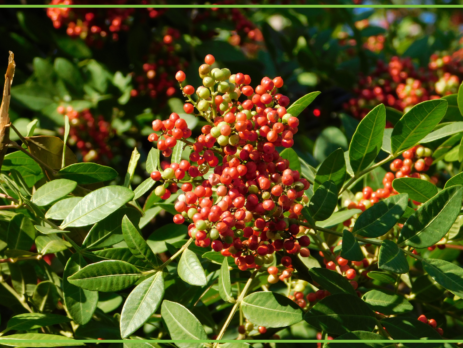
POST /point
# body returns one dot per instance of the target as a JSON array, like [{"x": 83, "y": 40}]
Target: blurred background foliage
[{"x": 112, "y": 70}]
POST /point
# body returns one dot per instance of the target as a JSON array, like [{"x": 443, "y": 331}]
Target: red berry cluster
[
  {"x": 88, "y": 134},
  {"x": 399, "y": 84},
  {"x": 238, "y": 210},
  {"x": 431, "y": 322}
]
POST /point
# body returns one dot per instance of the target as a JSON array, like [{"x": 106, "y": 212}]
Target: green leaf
[
  {"x": 417, "y": 189},
  {"x": 367, "y": 139},
  {"x": 332, "y": 168},
  {"x": 444, "y": 148},
  {"x": 30, "y": 321},
  {"x": 393, "y": 115},
  {"x": 132, "y": 166},
  {"x": 153, "y": 161},
  {"x": 169, "y": 233},
  {"x": 356, "y": 336},
  {"x": 417, "y": 123},
  {"x": 460, "y": 151},
  {"x": 402, "y": 328},
  {"x": 50, "y": 244},
  {"x": 23, "y": 278},
  {"x": 45, "y": 297},
  {"x": 26, "y": 166},
  {"x": 433, "y": 219},
  {"x": 293, "y": 158},
  {"x": 350, "y": 124},
  {"x": 443, "y": 131},
  {"x": 454, "y": 181},
  {"x": 225, "y": 289},
  {"x": 182, "y": 324},
  {"x": 386, "y": 144},
  {"x": 48, "y": 230},
  {"x": 97, "y": 205},
  {"x": 109, "y": 301},
  {"x": 144, "y": 187},
  {"x": 329, "y": 140},
  {"x": 177, "y": 152},
  {"x": 392, "y": 258},
  {"x": 307, "y": 171},
  {"x": 269, "y": 309},
  {"x": 460, "y": 99},
  {"x": 88, "y": 173},
  {"x": 341, "y": 313},
  {"x": 52, "y": 191},
  {"x": 67, "y": 128},
  {"x": 38, "y": 340},
  {"x": 108, "y": 231},
  {"x": 381, "y": 217},
  {"x": 121, "y": 254},
  {"x": 382, "y": 277},
  {"x": 324, "y": 201},
  {"x": 69, "y": 73},
  {"x": 190, "y": 269},
  {"x": 141, "y": 304},
  {"x": 106, "y": 276},
  {"x": 338, "y": 217},
  {"x": 299, "y": 105},
  {"x": 80, "y": 303},
  {"x": 20, "y": 233},
  {"x": 136, "y": 243},
  {"x": 49, "y": 150},
  {"x": 32, "y": 96},
  {"x": 374, "y": 178},
  {"x": 62, "y": 208},
  {"x": 447, "y": 274},
  {"x": 453, "y": 155},
  {"x": 31, "y": 127},
  {"x": 350, "y": 247},
  {"x": 332, "y": 281},
  {"x": 387, "y": 303}
]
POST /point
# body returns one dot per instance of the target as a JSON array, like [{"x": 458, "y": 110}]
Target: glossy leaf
[
  {"x": 109, "y": 301},
  {"x": 447, "y": 274},
  {"x": 382, "y": 277},
  {"x": 418, "y": 122},
  {"x": 417, "y": 189},
  {"x": 387, "y": 303},
  {"x": 324, "y": 201},
  {"x": 152, "y": 162},
  {"x": 402, "y": 328},
  {"x": 62, "y": 208},
  {"x": 299, "y": 105},
  {"x": 97, "y": 205},
  {"x": 30, "y": 321},
  {"x": 52, "y": 191},
  {"x": 23, "y": 278},
  {"x": 341, "y": 313},
  {"x": 177, "y": 152},
  {"x": 144, "y": 187},
  {"x": 141, "y": 304},
  {"x": 292, "y": 157},
  {"x": 392, "y": 258},
  {"x": 269, "y": 309},
  {"x": 38, "y": 340},
  {"x": 433, "y": 219},
  {"x": 367, "y": 139},
  {"x": 182, "y": 324},
  {"x": 169, "y": 233},
  {"x": 121, "y": 254},
  {"x": 190, "y": 269},
  {"x": 48, "y": 230},
  {"x": 443, "y": 131},
  {"x": 80, "y": 303},
  {"x": 131, "y": 168},
  {"x": 45, "y": 297},
  {"x": 381, "y": 217},
  {"x": 350, "y": 247},
  {"x": 88, "y": 173},
  {"x": 50, "y": 244},
  {"x": 26, "y": 166},
  {"x": 338, "y": 217},
  {"x": 136, "y": 243},
  {"x": 106, "y": 276},
  {"x": 454, "y": 181},
  {"x": 332, "y": 168},
  {"x": 332, "y": 281},
  {"x": 386, "y": 144},
  {"x": 225, "y": 289}
]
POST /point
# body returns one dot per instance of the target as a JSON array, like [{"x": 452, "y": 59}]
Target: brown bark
[{"x": 4, "y": 116}]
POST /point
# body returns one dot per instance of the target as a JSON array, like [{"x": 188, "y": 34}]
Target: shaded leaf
[
  {"x": 136, "y": 243},
  {"x": 350, "y": 247},
  {"x": 293, "y": 159},
  {"x": 299, "y": 105},
  {"x": 417, "y": 189},
  {"x": 332, "y": 281},
  {"x": 88, "y": 173},
  {"x": 324, "y": 201},
  {"x": 387, "y": 303},
  {"x": 225, "y": 289},
  {"x": 332, "y": 168},
  {"x": 392, "y": 258}
]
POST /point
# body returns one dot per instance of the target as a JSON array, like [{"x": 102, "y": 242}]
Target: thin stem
[
  {"x": 16, "y": 146},
  {"x": 16, "y": 259},
  {"x": 17, "y": 296},
  {"x": 2, "y": 195},
  {"x": 19, "y": 134},
  {"x": 235, "y": 307},
  {"x": 173, "y": 257},
  {"x": 11, "y": 206}
]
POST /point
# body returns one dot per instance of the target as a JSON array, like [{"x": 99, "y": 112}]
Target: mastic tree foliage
[{"x": 199, "y": 187}]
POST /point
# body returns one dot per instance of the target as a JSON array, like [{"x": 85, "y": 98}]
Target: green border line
[{"x": 411, "y": 6}]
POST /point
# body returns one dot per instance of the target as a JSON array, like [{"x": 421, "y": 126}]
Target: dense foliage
[{"x": 162, "y": 197}]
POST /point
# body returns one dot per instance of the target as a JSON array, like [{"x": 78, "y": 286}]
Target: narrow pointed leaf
[
  {"x": 38, "y": 340},
  {"x": 338, "y": 217},
  {"x": 23, "y": 278},
  {"x": 121, "y": 254},
  {"x": 417, "y": 189},
  {"x": 182, "y": 324},
  {"x": 152, "y": 162},
  {"x": 447, "y": 274},
  {"x": 417, "y": 123},
  {"x": 45, "y": 297},
  {"x": 177, "y": 152},
  {"x": 433, "y": 219},
  {"x": 136, "y": 243},
  {"x": 30, "y": 321},
  {"x": 190, "y": 269},
  {"x": 88, "y": 173},
  {"x": 392, "y": 258},
  {"x": 141, "y": 304},
  {"x": 62, "y": 208},
  {"x": 367, "y": 139},
  {"x": 299, "y": 105},
  {"x": 106, "y": 276},
  {"x": 97, "y": 205},
  {"x": 132, "y": 166},
  {"x": 331, "y": 281},
  {"x": 454, "y": 181},
  {"x": 445, "y": 130},
  {"x": 324, "y": 201},
  {"x": 225, "y": 289},
  {"x": 144, "y": 187},
  {"x": 80, "y": 303},
  {"x": 270, "y": 309},
  {"x": 387, "y": 303},
  {"x": 332, "y": 168},
  {"x": 350, "y": 247}
]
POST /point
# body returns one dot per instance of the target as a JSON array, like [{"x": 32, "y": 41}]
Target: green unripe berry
[
  {"x": 233, "y": 95},
  {"x": 184, "y": 214},
  {"x": 253, "y": 189},
  {"x": 286, "y": 117},
  {"x": 203, "y": 92},
  {"x": 259, "y": 260},
  {"x": 208, "y": 81},
  {"x": 226, "y": 98},
  {"x": 249, "y": 326},
  {"x": 358, "y": 196},
  {"x": 420, "y": 151},
  {"x": 427, "y": 152},
  {"x": 229, "y": 240},
  {"x": 232, "y": 78},
  {"x": 168, "y": 174},
  {"x": 248, "y": 114},
  {"x": 266, "y": 195},
  {"x": 219, "y": 74},
  {"x": 204, "y": 69},
  {"x": 215, "y": 132},
  {"x": 223, "y": 87},
  {"x": 227, "y": 73},
  {"x": 203, "y": 168},
  {"x": 160, "y": 191},
  {"x": 239, "y": 233},
  {"x": 214, "y": 234},
  {"x": 223, "y": 107},
  {"x": 221, "y": 124},
  {"x": 234, "y": 139},
  {"x": 299, "y": 287},
  {"x": 201, "y": 225},
  {"x": 253, "y": 113},
  {"x": 299, "y": 186},
  {"x": 240, "y": 107},
  {"x": 192, "y": 212},
  {"x": 223, "y": 140},
  {"x": 268, "y": 258},
  {"x": 202, "y": 105}
]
